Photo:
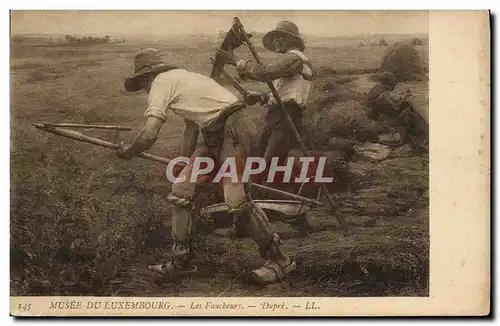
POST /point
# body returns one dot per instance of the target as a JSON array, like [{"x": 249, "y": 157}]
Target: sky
[{"x": 164, "y": 23}]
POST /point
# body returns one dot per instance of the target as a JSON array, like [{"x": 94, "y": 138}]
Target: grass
[
  {"x": 84, "y": 222},
  {"x": 36, "y": 71}
]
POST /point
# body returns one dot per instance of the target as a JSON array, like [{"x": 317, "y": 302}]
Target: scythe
[
  {"x": 295, "y": 205},
  {"x": 229, "y": 44},
  {"x": 241, "y": 33},
  {"x": 234, "y": 39}
]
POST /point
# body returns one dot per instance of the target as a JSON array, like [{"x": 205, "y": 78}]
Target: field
[{"x": 84, "y": 222}]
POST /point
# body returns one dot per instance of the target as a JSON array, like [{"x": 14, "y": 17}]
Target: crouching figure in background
[{"x": 392, "y": 107}]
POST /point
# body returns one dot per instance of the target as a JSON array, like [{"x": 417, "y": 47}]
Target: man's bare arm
[
  {"x": 189, "y": 138},
  {"x": 144, "y": 139}
]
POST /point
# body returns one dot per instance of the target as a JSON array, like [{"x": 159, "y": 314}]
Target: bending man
[{"x": 227, "y": 132}]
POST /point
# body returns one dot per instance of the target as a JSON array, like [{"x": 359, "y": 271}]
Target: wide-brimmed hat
[
  {"x": 284, "y": 28},
  {"x": 145, "y": 62}
]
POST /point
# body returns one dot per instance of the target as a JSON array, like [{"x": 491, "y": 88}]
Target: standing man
[
  {"x": 291, "y": 74},
  {"x": 227, "y": 132}
]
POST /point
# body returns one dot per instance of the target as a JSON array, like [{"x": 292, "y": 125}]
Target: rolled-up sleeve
[
  {"x": 161, "y": 96},
  {"x": 285, "y": 66}
]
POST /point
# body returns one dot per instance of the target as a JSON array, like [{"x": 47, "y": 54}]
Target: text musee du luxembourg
[{"x": 168, "y": 305}]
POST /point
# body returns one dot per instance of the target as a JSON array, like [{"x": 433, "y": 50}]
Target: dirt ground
[{"x": 84, "y": 222}]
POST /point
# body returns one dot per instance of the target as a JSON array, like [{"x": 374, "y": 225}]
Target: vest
[{"x": 295, "y": 88}]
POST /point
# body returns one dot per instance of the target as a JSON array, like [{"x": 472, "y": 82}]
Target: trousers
[
  {"x": 238, "y": 136},
  {"x": 280, "y": 137}
]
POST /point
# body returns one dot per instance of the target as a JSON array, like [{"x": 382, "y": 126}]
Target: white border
[
  {"x": 259, "y": 4},
  {"x": 152, "y": 4}
]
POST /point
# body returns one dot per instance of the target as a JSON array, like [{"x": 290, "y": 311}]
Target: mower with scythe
[{"x": 291, "y": 206}]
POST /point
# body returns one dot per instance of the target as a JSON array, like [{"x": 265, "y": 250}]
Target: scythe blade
[{"x": 230, "y": 43}]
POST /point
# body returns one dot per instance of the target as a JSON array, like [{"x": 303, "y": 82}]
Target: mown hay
[
  {"x": 383, "y": 42},
  {"x": 326, "y": 71},
  {"x": 385, "y": 262},
  {"x": 348, "y": 119},
  {"x": 388, "y": 188},
  {"x": 404, "y": 62},
  {"x": 416, "y": 41},
  {"x": 391, "y": 256},
  {"x": 332, "y": 89}
]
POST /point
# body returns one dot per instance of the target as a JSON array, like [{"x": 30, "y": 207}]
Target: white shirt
[
  {"x": 294, "y": 88},
  {"x": 192, "y": 96}
]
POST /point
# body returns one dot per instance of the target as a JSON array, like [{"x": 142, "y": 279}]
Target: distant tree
[{"x": 68, "y": 39}]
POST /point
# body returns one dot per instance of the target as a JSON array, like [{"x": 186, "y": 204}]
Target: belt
[
  {"x": 219, "y": 122},
  {"x": 213, "y": 134}
]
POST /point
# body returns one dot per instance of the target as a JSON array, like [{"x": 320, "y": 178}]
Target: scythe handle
[
  {"x": 233, "y": 81},
  {"x": 79, "y": 125},
  {"x": 95, "y": 141},
  {"x": 102, "y": 143},
  {"x": 289, "y": 120}
]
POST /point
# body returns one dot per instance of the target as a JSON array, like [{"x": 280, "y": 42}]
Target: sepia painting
[{"x": 219, "y": 154}]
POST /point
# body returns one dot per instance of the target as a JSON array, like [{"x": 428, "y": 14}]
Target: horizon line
[{"x": 212, "y": 34}]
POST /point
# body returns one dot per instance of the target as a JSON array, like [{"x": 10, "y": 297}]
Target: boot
[
  {"x": 182, "y": 253},
  {"x": 179, "y": 265},
  {"x": 277, "y": 267}
]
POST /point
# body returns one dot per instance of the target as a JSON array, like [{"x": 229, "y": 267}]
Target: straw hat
[
  {"x": 284, "y": 28},
  {"x": 145, "y": 62}
]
